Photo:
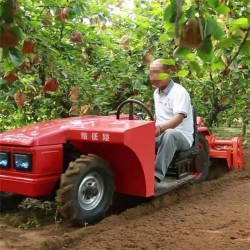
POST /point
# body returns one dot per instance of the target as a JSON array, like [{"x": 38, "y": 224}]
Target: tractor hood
[
  {"x": 46, "y": 132},
  {"x": 60, "y": 130}
]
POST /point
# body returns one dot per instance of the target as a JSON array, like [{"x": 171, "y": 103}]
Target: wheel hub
[{"x": 90, "y": 191}]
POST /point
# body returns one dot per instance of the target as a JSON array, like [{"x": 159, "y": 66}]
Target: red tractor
[{"x": 84, "y": 160}]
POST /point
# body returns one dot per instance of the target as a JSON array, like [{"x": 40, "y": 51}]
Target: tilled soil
[{"x": 211, "y": 215}]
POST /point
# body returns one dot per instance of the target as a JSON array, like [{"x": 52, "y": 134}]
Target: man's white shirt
[{"x": 175, "y": 99}]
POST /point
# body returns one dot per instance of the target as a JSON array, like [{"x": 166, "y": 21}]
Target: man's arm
[{"x": 172, "y": 123}]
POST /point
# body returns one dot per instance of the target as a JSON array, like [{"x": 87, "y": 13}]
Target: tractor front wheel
[{"x": 86, "y": 190}]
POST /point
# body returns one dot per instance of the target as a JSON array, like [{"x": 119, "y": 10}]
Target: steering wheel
[{"x": 131, "y": 102}]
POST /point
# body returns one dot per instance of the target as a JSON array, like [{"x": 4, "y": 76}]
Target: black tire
[
  {"x": 9, "y": 201},
  {"x": 86, "y": 190},
  {"x": 201, "y": 161}
]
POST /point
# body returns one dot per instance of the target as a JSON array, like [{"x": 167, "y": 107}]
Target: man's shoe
[{"x": 157, "y": 180}]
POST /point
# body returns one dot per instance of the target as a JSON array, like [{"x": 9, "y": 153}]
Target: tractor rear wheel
[
  {"x": 86, "y": 190},
  {"x": 201, "y": 160},
  {"x": 9, "y": 201}
]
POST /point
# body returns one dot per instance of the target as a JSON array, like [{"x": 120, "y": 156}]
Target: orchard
[{"x": 74, "y": 57}]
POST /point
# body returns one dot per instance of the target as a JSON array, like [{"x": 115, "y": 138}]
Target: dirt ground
[{"x": 212, "y": 215}]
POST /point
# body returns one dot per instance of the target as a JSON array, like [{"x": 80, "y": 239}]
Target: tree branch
[
  {"x": 177, "y": 18},
  {"x": 237, "y": 53}
]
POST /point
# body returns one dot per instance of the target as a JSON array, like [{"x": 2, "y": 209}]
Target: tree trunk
[
  {"x": 244, "y": 129},
  {"x": 217, "y": 108}
]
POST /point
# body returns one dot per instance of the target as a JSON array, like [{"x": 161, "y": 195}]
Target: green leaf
[
  {"x": 15, "y": 56},
  {"x": 240, "y": 23},
  {"x": 5, "y": 11},
  {"x": 64, "y": 74},
  {"x": 38, "y": 80},
  {"x": 213, "y": 3},
  {"x": 213, "y": 28},
  {"x": 181, "y": 52},
  {"x": 170, "y": 12},
  {"x": 163, "y": 76},
  {"x": 225, "y": 43},
  {"x": 35, "y": 24},
  {"x": 194, "y": 66},
  {"x": 18, "y": 31},
  {"x": 168, "y": 61},
  {"x": 106, "y": 42},
  {"x": 206, "y": 46},
  {"x": 163, "y": 38},
  {"x": 205, "y": 52},
  {"x": 245, "y": 50},
  {"x": 190, "y": 56},
  {"x": 222, "y": 9},
  {"x": 183, "y": 73},
  {"x": 217, "y": 66},
  {"x": 190, "y": 13},
  {"x": 143, "y": 25},
  {"x": 248, "y": 63}
]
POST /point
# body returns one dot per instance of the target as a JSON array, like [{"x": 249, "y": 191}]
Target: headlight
[
  {"x": 22, "y": 161},
  {"x": 4, "y": 159}
]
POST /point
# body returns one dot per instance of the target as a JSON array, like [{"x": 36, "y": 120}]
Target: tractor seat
[{"x": 180, "y": 155}]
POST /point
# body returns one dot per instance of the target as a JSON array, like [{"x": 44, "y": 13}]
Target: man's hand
[
  {"x": 157, "y": 131},
  {"x": 172, "y": 123}
]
